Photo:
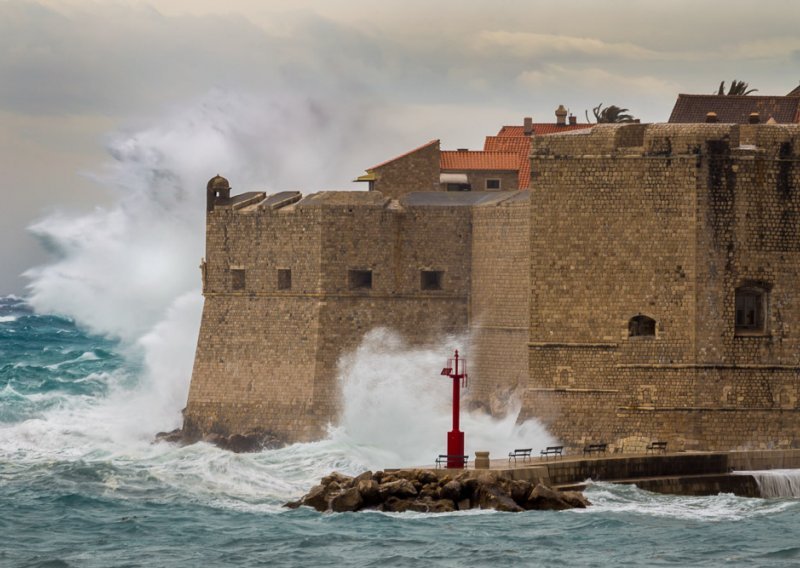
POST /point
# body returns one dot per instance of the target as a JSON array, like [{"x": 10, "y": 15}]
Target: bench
[
  {"x": 657, "y": 447},
  {"x": 595, "y": 449},
  {"x": 444, "y": 459},
  {"x": 552, "y": 451},
  {"x": 524, "y": 453}
]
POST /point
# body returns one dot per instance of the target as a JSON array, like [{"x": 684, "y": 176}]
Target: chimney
[
  {"x": 528, "y": 128},
  {"x": 573, "y": 119},
  {"x": 711, "y": 117},
  {"x": 561, "y": 115},
  {"x": 753, "y": 118}
]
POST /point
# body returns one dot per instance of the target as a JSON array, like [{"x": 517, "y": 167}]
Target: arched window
[
  {"x": 751, "y": 309},
  {"x": 641, "y": 326}
]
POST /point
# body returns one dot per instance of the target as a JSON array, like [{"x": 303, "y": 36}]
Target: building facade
[{"x": 645, "y": 287}]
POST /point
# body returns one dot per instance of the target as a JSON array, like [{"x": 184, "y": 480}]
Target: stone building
[
  {"x": 503, "y": 164},
  {"x": 644, "y": 288}
]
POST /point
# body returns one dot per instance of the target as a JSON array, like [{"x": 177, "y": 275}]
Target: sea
[{"x": 84, "y": 484}]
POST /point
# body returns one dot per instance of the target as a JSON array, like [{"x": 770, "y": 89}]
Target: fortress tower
[{"x": 645, "y": 287}]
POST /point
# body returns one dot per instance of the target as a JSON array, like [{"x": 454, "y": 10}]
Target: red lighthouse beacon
[{"x": 456, "y": 369}]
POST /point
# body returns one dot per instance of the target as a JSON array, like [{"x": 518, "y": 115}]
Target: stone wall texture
[
  {"x": 660, "y": 223},
  {"x": 417, "y": 170},
  {"x": 665, "y": 221}
]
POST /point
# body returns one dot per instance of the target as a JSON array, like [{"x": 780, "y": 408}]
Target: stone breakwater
[{"x": 426, "y": 491}]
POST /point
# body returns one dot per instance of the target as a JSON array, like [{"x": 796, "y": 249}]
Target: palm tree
[
  {"x": 737, "y": 88},
  {"x": 610, "y": 114}
]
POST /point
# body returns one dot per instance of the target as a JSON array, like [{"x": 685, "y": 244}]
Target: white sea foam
[
  {"x": 397, "y": 407},
  {"x": 130, "y": 270},
  {"x": 8, "y": 319},
  {"x": 625, "y": 499},
  {"x": 776, "y": 483},
  {"x": 85, "y": 356}
]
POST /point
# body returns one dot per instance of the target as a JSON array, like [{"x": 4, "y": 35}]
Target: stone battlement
[
  {"x": 666, "y": 140},
  {"x": 649, "y": 275}
]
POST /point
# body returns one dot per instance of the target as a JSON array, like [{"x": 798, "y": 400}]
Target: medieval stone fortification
[{"x": 645, "y": 287}]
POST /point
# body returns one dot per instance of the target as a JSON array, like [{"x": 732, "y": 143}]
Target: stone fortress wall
[
  {"x": 672, "y": 222},
  {"x": 605, "y": 298}
]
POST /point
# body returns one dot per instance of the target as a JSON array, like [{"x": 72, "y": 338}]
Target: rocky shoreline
[
  {"x": 428, "y": 492},
  {"x": 237, "y": 443}
]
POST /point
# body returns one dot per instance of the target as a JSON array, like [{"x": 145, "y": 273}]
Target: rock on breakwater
[{"x": 426, "y": 491}]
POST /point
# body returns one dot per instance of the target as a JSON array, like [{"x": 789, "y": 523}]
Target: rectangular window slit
[
  {"x": 359, "y": 279},
  {"x": 237, "y": 278},
  {"x": 284, "y": 279},
  {"x": 431, "y": 279}
]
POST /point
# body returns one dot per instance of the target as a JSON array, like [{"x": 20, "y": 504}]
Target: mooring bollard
[{"x": 481, "y": 460}]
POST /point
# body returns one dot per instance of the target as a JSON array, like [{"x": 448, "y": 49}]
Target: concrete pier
[{"x": 679, "y": 473}]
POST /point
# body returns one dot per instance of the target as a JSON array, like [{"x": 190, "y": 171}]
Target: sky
[{"x": 319, "y": 90}]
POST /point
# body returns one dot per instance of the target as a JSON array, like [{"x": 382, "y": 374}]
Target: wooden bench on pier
[
  {"x": 444, "y": 459},
  {"x": 657, "y": 447},
  {"x": 595, "y": 449},
  {"x": 555, "y": 451},
  {"x": 524, "y": 453}
]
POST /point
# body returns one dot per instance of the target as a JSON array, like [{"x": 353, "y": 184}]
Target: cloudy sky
[{"x": 322, "y": 89}]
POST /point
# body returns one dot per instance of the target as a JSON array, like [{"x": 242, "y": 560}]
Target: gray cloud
[{"x": 378, "y": 78}]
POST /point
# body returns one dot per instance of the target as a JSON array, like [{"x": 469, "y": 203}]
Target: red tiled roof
[
  {"x": 541, "y": 128},
  {"x": 519, "y": 144},
  {"x": 404, "y": 154},
  {"x": 735, "y": 109},
  {"x": 472, "y": 160}
]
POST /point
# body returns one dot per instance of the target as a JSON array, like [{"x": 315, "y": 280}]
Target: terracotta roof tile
[
  {"x": 472, "y": 160},
  {"x": 735, "y": 109},
  {"x": 524, "y": 175},
  {"x": 519, "y": 144}
]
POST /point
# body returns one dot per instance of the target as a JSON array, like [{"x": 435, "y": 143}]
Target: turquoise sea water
[{"x": 81, "y": 484}]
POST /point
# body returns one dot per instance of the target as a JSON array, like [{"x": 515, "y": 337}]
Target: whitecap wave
[
  {"x": 8, "y": 319},
  {"x": 629, "y": 499},
  {"x": 397, "y": 409}
]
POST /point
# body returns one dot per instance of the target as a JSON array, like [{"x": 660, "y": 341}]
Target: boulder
[
  {"x": 348, "y": 500},
  {"x": 317, "y": 498},
  {"x": 395, "y": 505},
  {"x": 369, "y": 490},
  {"x": 543, "y": 498},
  {"x": 493, "y": 497},
  {"x": 240, "y": 444},
  {"x": 426, "y": 476},
  {"x": 451, "y": 490},
  {"x": 400, "y": 488},
  {"x": 254, "y": 441},
  {"x": 442, "y": 506},
  {"x": 519, "y": 490},
  {"x": 576, "y": 499},
  {"x": 173, "y": 437},
  {"x": 342, "y": 479},
  {"x": 365, "y": 475}
]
